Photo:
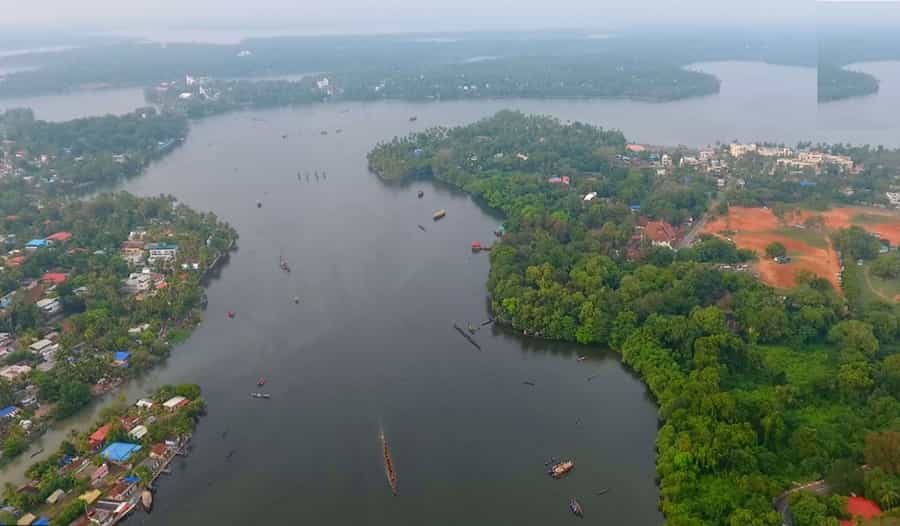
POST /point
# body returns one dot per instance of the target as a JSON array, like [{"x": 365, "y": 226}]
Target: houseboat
[
  {"x": 476, "y": 246},
  {"x": 561, "y": 469},
  {"x": 439, "y": 214}
]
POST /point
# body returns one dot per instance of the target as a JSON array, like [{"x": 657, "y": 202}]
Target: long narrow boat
[
  {"x": 575, "y": 508},
  {"x": 389, "y": 465}
]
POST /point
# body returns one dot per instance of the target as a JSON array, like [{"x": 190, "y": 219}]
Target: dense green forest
[
  {"x": 757, "y": 389},
  {"x": 59, "y": 158},
  {"x": 529, "y": 78},
  {"x": 531, "y": 57},
  {"x": 836, "y": 83},
  {"x": 840, "y": 45}
]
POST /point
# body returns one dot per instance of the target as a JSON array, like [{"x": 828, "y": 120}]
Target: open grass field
[
  {"x": 805, "y": 234},
  {"x": 886, "y": 289}
]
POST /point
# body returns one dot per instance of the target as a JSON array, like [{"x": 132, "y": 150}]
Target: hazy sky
[{"x": 394, "y": 15}]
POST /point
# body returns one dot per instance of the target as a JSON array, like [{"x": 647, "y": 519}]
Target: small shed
[
  {"x": 56, "y": 496},
  {"x": 138, "y": 432},
  {"x": 143, "y": 403},
  {"x": 26, "y": 520},
  {"x": 89, "y": 497}
]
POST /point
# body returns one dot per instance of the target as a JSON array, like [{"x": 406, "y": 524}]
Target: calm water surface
[
  {"x": 866, "y": 120},
  {"x": 371, "y": 345},
  {"x": 79, "y": 103}
]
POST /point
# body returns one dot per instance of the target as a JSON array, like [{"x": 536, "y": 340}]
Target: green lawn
[
  {"x": 886, "y": 287},
  {"x": 810, "y": 236}
]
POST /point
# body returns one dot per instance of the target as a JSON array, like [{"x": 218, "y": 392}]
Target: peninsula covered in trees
[{"x": 758, "y": 389}]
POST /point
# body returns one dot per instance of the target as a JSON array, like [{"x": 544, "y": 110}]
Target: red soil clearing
[
  {"x": 860, "y": 507},
  {"x": 756, "y": 228},
  {"x": 838, "y": 218}
]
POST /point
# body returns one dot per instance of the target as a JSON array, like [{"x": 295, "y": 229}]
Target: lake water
[
  {"x": 79, "y": 103},
  {"x": 371, "y": 345}
]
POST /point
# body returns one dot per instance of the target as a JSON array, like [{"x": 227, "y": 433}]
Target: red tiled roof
[
  {"x": 99, "y": 435},
  {"x": 858, "y": 506},
  {"x": 59, "y": 236},
  {"x": 660, "y": 231},
  {"x": 158, "y": 450},
  {"x": 54, "y": 277}
]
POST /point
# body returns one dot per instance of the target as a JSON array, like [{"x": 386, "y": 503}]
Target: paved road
[{"x": 782, "y": 502}]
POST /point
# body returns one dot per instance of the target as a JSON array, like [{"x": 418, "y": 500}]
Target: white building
[
  {"x": 740, "y": 150},
  {"x": 136, "y": 283},
  {"x": 138, "y": 432},
  {"x": 162, "y": 251},
  {"x": 49, "y": 306},
  {"x": 143, "y": 403},
  {"x": 893, "y": 197},
  {"x": 774, "y": 151},
  {"x": 174, "y": 402}
]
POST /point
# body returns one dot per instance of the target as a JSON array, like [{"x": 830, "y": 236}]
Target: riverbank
[
  {"x": 99, "y": 316},
  {"x": 600, "y": 269},
  {"x": 103, "y": 476}
]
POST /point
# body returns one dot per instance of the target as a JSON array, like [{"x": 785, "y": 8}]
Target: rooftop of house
[{"x": 660, "y": 231}]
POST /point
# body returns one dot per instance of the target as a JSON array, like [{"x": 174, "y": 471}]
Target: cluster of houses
[
  {"x": 113, "y": 490},
  {"x": 38, "y": 170},
  {"x": 803, "y": 160},
  {"x": 14, "y": 160},
  {"x": 664, "y": 162},
  {"x": 42, "y": 293}
]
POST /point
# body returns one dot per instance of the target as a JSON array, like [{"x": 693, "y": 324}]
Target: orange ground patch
[
  {"x": 756, "y": 228},
  {"x": 837, "y": 218}
]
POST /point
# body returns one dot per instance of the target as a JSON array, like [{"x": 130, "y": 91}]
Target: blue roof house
[
  {"x": 121, "y": 356},
  {"x": 119, "y": 451},
  {"x": 8, "y": 411},
  {"x": 37, "y": 243}
]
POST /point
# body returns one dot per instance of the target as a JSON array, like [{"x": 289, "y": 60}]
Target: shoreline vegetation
[
  {"x": 576, "y": 80},
  {"x": 758, "y": 389},
  {"x": 631, "y": 64},
  {"x": 838, "y": 83},
  {"x": 93, "y": 291},
  {"x": 103, "y": 474}
]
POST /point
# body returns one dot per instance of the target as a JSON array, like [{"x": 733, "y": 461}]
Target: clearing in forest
[{"x": 805, "y": 234}]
